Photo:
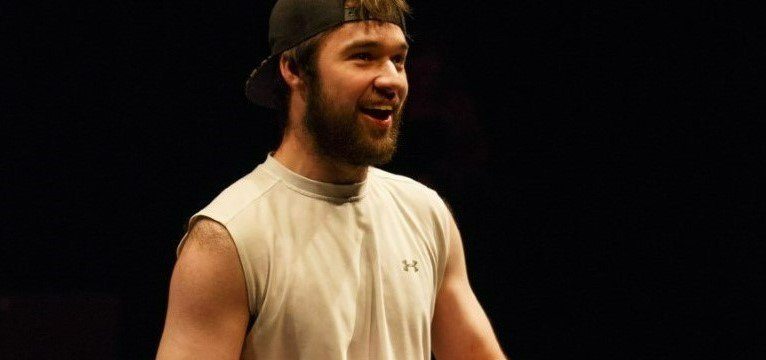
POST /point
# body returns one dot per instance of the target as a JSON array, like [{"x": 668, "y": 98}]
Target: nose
[{"x": 391, "y": 82}]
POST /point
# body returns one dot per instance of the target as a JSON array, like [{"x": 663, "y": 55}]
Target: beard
[{"x": 338, "y": 133}]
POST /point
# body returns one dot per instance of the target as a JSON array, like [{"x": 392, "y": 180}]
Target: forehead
[{"x": 370, "y": 32}]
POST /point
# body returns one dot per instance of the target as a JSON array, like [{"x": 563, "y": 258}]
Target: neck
[{"x": 296, "y": 152}]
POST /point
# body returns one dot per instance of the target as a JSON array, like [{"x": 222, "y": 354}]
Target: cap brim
[{"x": 261, "y": 86}]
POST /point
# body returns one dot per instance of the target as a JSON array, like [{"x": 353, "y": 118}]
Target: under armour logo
[{"x": 407, "y": 266}]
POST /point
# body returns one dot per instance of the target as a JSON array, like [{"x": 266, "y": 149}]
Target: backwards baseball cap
[{"x": 292, "y": 22}]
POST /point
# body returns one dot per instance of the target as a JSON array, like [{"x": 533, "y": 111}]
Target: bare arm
[
  {"x": 461, "y": 329},
  {"x": 207, "y": 305}
]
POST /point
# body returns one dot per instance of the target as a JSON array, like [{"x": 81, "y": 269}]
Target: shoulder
[
  {"x": 207, "y": 309},
  {"x": 241, "y": 194},
  {"x": 412, "y": 194},
  {"x": 206, "y": 256},
  {"x": 208, "y": 235},
  {"x": 404, "y": 185},
  {"x": 409, "y": 189}
]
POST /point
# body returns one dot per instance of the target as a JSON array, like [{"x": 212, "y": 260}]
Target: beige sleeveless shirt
[{"x": 336, "y": 271}]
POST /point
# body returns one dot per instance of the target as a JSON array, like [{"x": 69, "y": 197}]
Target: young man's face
[{"x": 355, "y": 104}]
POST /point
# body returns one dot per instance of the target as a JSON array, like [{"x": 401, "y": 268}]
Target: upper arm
[
  {"x": 461, "y": 329},
  {"x": 208, "y": 309}
]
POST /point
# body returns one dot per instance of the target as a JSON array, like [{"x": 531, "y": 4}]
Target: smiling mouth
[{"x": 376, "y": 113}]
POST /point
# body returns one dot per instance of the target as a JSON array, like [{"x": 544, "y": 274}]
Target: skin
[
  {"x": 207, "y": 305},
  {"x": 361, "y": 64}
]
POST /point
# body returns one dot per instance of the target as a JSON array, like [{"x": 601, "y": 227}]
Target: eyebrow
[{"x": 364, "y": 44}]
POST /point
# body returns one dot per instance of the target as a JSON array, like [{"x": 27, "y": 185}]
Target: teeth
[{"x": 382, "y": 107}]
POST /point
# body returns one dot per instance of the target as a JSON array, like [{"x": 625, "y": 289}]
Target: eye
[
  {"x": 399, "y": 60},
  {"x": 365, "y": 56}
]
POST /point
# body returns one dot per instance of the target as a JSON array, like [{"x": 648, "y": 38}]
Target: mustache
[{"x": 396, "y": 106}]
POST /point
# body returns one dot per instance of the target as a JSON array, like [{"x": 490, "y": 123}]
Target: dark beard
[{"x": 338, "y": 135}]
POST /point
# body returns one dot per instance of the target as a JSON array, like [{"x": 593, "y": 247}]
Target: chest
[{"x": 351, "y": 270}]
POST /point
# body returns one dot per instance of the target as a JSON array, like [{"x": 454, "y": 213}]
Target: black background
[{"x": 600, "y": 158}]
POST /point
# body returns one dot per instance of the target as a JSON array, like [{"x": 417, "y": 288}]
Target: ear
[{"x": 290, "y": 73}]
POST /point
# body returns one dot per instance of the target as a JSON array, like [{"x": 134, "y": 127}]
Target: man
[{"x": 317, "y": 254}]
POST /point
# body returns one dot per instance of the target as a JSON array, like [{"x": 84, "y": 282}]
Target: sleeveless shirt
[{"x": 336, "y": 271}]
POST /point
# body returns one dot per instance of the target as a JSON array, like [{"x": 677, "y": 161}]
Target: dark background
[{"x": 600, "y": 159}]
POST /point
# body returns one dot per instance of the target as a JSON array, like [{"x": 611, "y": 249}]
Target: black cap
[{"x": 292, "y": 22}]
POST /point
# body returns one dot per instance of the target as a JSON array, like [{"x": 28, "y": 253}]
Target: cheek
[
  {"x": 348, "y": 91},
  {"x": 345, "y": 86}
]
